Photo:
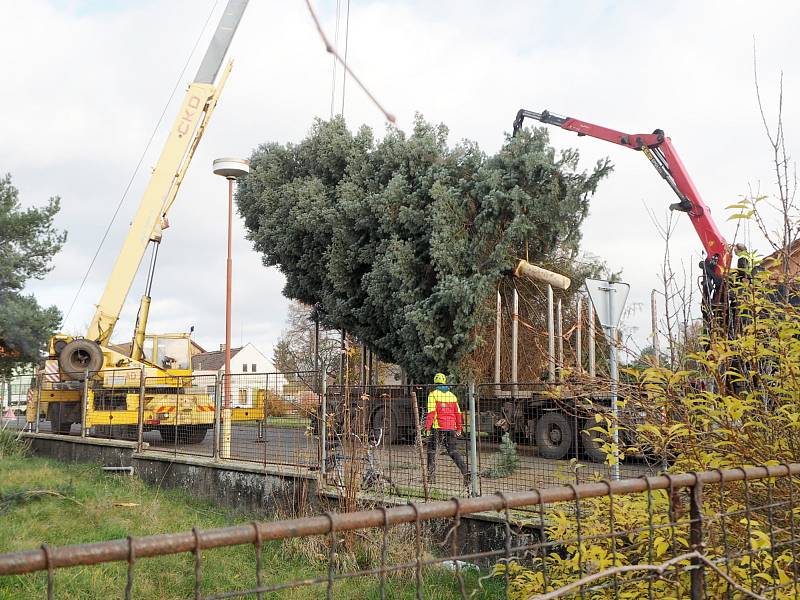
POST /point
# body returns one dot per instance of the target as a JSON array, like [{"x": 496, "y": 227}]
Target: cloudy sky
[{"x": 84, "y": 82}]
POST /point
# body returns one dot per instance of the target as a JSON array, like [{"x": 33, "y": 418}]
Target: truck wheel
[
  {"x": 79, "y": 356},
  {"x": 167, "y": 433},
  {"x": 388, "y": 423},
  {"x": 58, "y": 415},
  {"x": 591, "y": 448},
  {"x": 191, "y": 434},
  {"x": 553, "y": 435}
]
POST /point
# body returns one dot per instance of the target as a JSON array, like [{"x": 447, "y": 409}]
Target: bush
[{"x": 735, "y": 402}]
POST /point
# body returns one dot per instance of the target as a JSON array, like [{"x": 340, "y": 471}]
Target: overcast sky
[{"x": 84, "y": 82}]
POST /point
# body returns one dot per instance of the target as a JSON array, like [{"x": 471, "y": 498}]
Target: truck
[{"x": 86, "y": 379}]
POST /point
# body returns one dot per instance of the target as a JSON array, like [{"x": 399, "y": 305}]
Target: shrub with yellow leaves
[{"x": 735, "y": 402}]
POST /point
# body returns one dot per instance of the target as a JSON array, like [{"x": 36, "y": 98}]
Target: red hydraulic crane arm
[{"x": 662, "y": 155}]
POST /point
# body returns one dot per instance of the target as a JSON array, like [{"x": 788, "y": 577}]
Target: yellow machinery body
[{"x": 173, "y": 396}]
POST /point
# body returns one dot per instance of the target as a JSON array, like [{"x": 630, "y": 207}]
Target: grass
[
  {"x": 285, "y": 421},
  {"x": 289, "y": 421},
  {"x": 44, "y": 501}
]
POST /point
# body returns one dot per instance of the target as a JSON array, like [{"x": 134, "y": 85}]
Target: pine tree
[{"x": 27, "y": 246}]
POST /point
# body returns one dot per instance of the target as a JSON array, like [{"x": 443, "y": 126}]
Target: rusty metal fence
[{"x": 716, "y": 534}]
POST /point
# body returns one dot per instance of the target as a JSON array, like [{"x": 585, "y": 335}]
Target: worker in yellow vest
[{"x": 443, "y": 424}]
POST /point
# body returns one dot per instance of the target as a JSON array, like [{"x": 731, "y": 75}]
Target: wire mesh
[
  {"x": 112, "y": 409},
  {"x": 15, "y": 395},
  {"x": 377, "y": 441},
  {"x": 537, "y": 434},
  {"x": 271, "y": 418},
  {"x": 178, "y": 414}
]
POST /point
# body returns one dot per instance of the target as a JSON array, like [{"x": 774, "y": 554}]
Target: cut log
[{"x": 526, "y": 269}]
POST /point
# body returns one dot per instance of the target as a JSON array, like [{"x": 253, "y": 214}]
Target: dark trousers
[{"x": 448, "y": 440}]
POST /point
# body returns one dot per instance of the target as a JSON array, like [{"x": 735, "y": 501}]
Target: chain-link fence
[{"x": 714, "y": 534}]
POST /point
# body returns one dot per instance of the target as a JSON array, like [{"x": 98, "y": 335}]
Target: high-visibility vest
[{"x": 443, "y": 411}]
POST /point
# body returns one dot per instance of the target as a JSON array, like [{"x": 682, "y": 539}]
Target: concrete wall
[
  {"x": 109, "y": 453},
  {"x": 239, "y": 486}
]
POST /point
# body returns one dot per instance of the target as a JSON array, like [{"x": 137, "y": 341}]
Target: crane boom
[
  {"x": 184, "y": 136},
  {"x": 661, "y": 153}
]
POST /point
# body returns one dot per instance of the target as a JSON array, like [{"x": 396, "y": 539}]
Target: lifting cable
[
  {"x": 141, "y": 160},
  {"x": 346, "y": 44},
  {"x": 336, "y": 46}
]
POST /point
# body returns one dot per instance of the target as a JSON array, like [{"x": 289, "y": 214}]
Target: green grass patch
[
  {"x": 289, "y": 421},
  {"x": 44, "y": 501}
]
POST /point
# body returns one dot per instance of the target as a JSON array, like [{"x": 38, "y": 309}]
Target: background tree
[
  {"x": 27, "y": 246},
  {"x": 294, "y": 351},
  {"x": 402, "y": 241}
]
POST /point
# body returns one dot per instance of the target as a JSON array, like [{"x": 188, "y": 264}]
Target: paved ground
[{"x": 399, "y": 464}]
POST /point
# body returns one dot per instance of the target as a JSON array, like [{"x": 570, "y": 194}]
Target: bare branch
[{"x": 656, "y": 568}]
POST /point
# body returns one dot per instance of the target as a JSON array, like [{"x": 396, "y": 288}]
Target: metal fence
[
  {"x": 536, "y": 434},
  {"x": 715, "y": 534},
  {"x": 271, "y": 418},
  {"x": 514, "y": 436},
  {"x": 255, "y": 417}
]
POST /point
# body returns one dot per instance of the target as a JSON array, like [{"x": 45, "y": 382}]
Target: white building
[{"x": 250, "y": 371}]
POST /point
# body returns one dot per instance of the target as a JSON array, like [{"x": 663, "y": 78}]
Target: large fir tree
[{"x": 401, "y": 241}]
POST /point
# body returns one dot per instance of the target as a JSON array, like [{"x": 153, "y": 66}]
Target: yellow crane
[{"x": 172, "y": 404}]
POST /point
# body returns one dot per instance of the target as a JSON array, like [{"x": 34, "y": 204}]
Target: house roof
[
  {"x": 126, "y": 348},
  {"x": 211, "y": 361}
]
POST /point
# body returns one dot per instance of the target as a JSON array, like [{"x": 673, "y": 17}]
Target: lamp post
[{"x": 231, "y": 169}]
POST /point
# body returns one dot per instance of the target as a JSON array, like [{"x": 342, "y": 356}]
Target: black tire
[
  {"x": 591, "y": 448},
  {"x": 59, "y": 416},
  {"x": 554, "y": 435},
  {"x": 79, "y": 356},
  {"x": 192, "y": 434},
  {"x": 167, "y": 434},
  {"x": 387, "y": 422}
]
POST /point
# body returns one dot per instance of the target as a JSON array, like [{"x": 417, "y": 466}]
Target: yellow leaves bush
[{"x": 735, "y": 402}]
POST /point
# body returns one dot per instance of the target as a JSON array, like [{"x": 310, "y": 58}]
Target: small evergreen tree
[{"x": 506, "y": 461}]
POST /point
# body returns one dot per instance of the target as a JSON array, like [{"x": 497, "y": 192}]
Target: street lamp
[{"x": 231, "y": 169}]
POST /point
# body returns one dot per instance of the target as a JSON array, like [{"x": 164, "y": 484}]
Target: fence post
[
  {"x": 140, "y": 417},
  {"x": 218, "y": 412},
  {"x": 323, "y": 429},
  {"x": 696, "y": 540},
  {"x": 551, "y": 342},
  {"x": 423, "y": 466},
  {"x": 85, "y": 403},
  {"x": 40, "y": 377},
  {"x": 473, "y": 443}
]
